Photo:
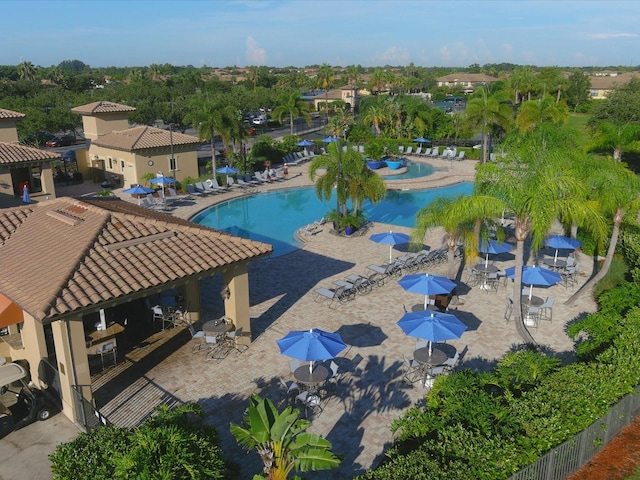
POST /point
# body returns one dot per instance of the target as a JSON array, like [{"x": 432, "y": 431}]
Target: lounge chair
[
  {"x": 426, "y": 153},
  {"x": 360, "y": 284},
  {"x": 247, "y": 185},
  {"x": 200, "y": 188},
  {"x": 336, "y": 296},
  {"x": 435, "y": 152},
  {"x": 409, "y": 150},
  {"x": 232, "y": 183},
  {"x": 418, "y": 150},
  {"x": 460, "y": 156},
  {"x": 192, "y": 191},
  {"x": 401, "y": 148},
  {"x": 173, "y": 195}
]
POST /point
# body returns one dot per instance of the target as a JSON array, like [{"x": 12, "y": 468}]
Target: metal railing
[
  {"x": 86, "y": 414},
  {"x": 573, "y": 454}
]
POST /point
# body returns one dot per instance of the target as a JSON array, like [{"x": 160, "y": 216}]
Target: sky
[{"x": 280, "y": 33}]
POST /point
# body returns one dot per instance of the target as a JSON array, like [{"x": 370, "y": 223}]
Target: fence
[
  {"x": 569, "y": 457},
  {"x": 86, "y": 414}
]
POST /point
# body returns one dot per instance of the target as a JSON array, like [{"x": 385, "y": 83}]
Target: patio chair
[
  {"x": 360, "y": 284},
  {"x": 294, "y": 364},
  {"x": 232, "y": 340},
  {"x": 473, "y": 277},
  {"x": 531, "y": 316},
  {"x": 108, "y": 350},
  {"x": 546, "y": 309},
  {"x": 509, "y": 310},
  {"x": 311, "y": 402},
  {"x": 412, "y": 370},
  {"x": 421, "y": 343},
  {"x": 334, "y": 378},
  {"x": 289, "y": 388},
  {"x": 452, "y": 362},
  {"x": 198, "y": 338}
]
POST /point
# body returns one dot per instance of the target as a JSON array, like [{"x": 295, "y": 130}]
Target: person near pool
[{"x": 285, "y": 170}]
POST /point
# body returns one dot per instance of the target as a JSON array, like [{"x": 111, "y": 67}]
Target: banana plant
[{"x": 281, "y": 440}]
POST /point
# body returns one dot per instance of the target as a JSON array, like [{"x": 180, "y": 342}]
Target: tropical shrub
[{"x": 175, "y": 443}]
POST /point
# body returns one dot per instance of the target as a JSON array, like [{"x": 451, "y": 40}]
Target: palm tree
[
  {"x": 617, "y": 138},
  {"x": 204, "y": 115},
  {"x": 375, "y": 115},
  {"x": 324, "y": 80},
  {"x": 523, "y": 81},
  {"x": 377, "y": 81},
  {"x": 534, "y": 112},
  {"x": 616, "y": 188},
  {"x": 485, "y": 113},
  {"x": 533, "y": 183},
  {"x": 281, "y": 440},
  {"x": 291, "y": 103},
  {"x": 27, "y": 71},
  {"x": 352, "y": 76}
]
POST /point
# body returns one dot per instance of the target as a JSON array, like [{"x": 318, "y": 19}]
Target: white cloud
[
  {"x": 255, "y": 54},
  {"x": 611, "y": 35},
  {"x": 391, "y": 56}
]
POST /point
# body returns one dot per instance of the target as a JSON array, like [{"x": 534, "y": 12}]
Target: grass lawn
[{"x": 578, "y": 121}]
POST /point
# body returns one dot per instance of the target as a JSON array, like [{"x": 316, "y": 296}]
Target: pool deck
[{"x": 356, "y": 418}]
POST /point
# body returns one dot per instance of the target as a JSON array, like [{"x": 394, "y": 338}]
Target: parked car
[
  {"x": 260, "y": 120},
  {"x": 63, "y": 141},
  {"x": 32, "y": 403}
]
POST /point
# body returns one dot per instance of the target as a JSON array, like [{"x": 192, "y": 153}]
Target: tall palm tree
[
  {"x": 324, "y": 81},
  {"x": 616, "y": 188},
  {"x": 534, "y": 184},
  {"x": 281, "y": 440},
  {"x": 204, "y": 116},
  {"x": 534, "y": 112},
  {"x": 616, "y": 138},
  {"x": 523, "y": 81},
  {"x": 291, "y": 103},
  {"x": 27, "y": 71},
  {"x": 377, "y": 81},
  {"x": 484, "y": 113},
  {"x": 375, "y": 115},
  {"x": 352, "y": 76}
]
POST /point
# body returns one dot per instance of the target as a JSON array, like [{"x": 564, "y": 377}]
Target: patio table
[
  {"x": 313, "y": 378},
  {"x": 437, "y": 357},
  {"x": 555, "y": 264},
  {"x": 485, "y": 270},
  {"x": 534, "y": 302},
  {"x": 214, "y": 328}
]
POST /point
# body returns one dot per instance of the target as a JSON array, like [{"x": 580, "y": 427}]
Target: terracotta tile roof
[
  {"x": 84, "y": 253},
  {"x": 467, "y": 77},
  {"x": 144, "y": 137},
  {"x": 11, "y": 153},
  {"x": 4, "y": 114},
  {"x": 102, "y": 107}
]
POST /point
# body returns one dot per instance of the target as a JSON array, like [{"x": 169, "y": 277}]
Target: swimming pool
[
  {"x": 274, "y": 217},
  {"x": 414, "y": 170}
]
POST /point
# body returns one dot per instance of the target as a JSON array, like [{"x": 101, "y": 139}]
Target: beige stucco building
[
  {"x": 22, "y": 166},
  {"x": 124, "y": 155},
  {"x": 103, "y": 256}
]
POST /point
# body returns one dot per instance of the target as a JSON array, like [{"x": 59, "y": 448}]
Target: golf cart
[{"x": 32, "y": 404}]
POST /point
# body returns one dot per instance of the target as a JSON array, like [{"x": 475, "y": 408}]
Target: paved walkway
[{"x": 356, "y": 419}]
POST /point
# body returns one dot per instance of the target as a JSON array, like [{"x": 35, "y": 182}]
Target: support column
[
  {"x": 34, "y": 344},
  {"x": 236, "y": 305},
  {"x": 73, "y": 362},
  {"x": 192, "y": 300}
]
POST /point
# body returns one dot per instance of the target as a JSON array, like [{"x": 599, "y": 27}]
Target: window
[
  {"x": 122, "y": 165},
  {"x": 110, "y": 163},
  {"x": 594, "y": 93},
  {"x": 173, "y": 164},
  {"x": 36, "y": 179}
]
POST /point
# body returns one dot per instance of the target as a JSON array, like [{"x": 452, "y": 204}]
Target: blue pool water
[
  {"x": 414, "y": 170},
  {"x": 274, "y": 217}
]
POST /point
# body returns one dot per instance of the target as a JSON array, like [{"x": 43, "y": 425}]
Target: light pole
[{"x": 172, "y": 161}]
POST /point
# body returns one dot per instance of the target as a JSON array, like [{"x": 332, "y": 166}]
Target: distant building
[
  {"x": 603, "y": 82},
  {"x": 468, "y": 81},
  {"x": 22, "y": 166},
  {"x": 123, "y": 155}
]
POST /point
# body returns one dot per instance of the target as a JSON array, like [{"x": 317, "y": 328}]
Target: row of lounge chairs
[
  {"x": 296, "y": 158},
  {"x": 376, "y": 276},
  {"x": 446, "y": 154}
]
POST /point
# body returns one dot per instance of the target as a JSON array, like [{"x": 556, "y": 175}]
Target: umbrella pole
[
  {"x": 555, "y": 258},
  {"x": 310, "y": 367},
  {"x": 430, "y": 349},
  {"x": 486, "y": 260},
  {"x": 390, "y": 249},
  {"x": 530, "y": 291}
]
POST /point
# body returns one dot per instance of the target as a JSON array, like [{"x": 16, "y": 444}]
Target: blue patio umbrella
[
  {"x": 421, "y": 140},
  {"x": 427, "y": 284},
  {"x": 227, "y": 170},
  {"x": 162, "y": 180},
  {"x": 493, "y": 247},
  {"x": 432, "y": 326},
  {"x": 329, "y": 139},
  {"x": 391, "y": 239},
  {"x": 311, "y": 345},
  {"x": 535, "y": 276},
  {"x": 560, "y": 242},
  {"x": 304, "y": 143},
  {"x": 25, "y": 195},
  {"x": 138, "y": 191}
]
